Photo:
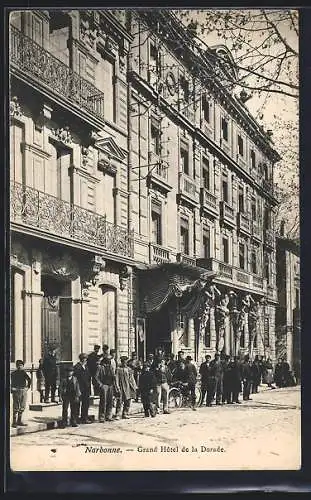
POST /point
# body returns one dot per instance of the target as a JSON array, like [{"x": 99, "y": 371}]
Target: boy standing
[
  {"x": 20, "y": 383},
  {"x": 126, "y": 386},
  {"x": 70, "y": 393},
  {"x": 148, "y": 389}
]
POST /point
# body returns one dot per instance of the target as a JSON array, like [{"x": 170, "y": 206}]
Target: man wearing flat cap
[
  {"x": 70, "y": 393},
  {"x": 191, "y": 377},
  {"x": 82, "y": 373}
]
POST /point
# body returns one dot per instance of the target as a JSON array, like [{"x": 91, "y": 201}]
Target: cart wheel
[{"x": 174, "y": 398}]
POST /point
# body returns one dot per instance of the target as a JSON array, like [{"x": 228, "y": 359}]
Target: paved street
[{"x": 260, "y": 434}]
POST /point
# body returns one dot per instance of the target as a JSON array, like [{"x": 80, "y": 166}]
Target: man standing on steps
[
  {"x": 207, "y": 381},
  {"x": 49, "y": 368},
  {"x": 82, "y": 373},
  {"x": 20, "y": 383}
]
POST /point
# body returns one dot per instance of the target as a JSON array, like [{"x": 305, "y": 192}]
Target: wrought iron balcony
[
  {"x": 158, "y": 254},
  {"x": 35, "y": 209},
  {"x": 244, "y": 222},
  {"x": 187, "y": 188},
  {"x": 208, "y": 201},
  {"x": 29, "y": 58},
  {"x": 269, "y": 237},
  {"x": 227, "y": 213},
  {"x": 190, "y": 261}
]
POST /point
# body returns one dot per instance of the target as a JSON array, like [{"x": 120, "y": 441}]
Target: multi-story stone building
[
  {"x": 137, "y": 181},
  {"x": 287, "y": 326}
]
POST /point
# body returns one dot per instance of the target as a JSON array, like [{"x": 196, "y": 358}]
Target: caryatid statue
[
  {"x": 210, "y": 296},
  {"x": 222, "y": 313}
]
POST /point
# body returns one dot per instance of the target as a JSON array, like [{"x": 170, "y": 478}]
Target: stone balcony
[
  {"x": 256, "y": 230},
  {"x": 53, "y": 218},
  {"x": 158, "y": 254},
  {"x": 36, "y": 66},
  {"x": 244, "y": 223},
  {"x": 187, "y": 189},
  {"x": 208, "y": 202},
  {"x": 186, "y": 259},
  {"x": 227, "y": 214}
]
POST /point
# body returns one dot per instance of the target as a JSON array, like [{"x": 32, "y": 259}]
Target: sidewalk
[{"x": 50, "y": 417}]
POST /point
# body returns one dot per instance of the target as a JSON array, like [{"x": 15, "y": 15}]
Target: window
[
  {"x": 206, "y": 242},
  {"x": 207, "y": 340},
  {"x": 254, "y": 261},
  {"x": 155, "y": 138},
  {"x": 254, "y": 209},
  {"x": 267, "y": 267},
  {"x": 240, "y": 146},
  {"x": 242, "y": 255},
  {"x": 105, "y": 81},
  {"x": 184, "y": 87},
  {"x": 63, "y": 161},
  {"x": 225, "y": 190},
  {"x": 184, "y": 237},
  {"x": 156, "y": 225},
  {"x": 206, "y": 175},
  {"x": 255, "y": 340},
  {"x": 224, "y": 128},
  {"x": 184, "y": 158},
  {"x": 253, "y": 159},
  {"x": 205, "y": 109},
  {"x": 225, "y": 250},
  {"x": 37, "y": 31},
  {"x": 241, "y": 200},
  {"x": 267, "y": 218},
  {"x": 266, "y": 171},
  {"x": 297, "y": 298}
]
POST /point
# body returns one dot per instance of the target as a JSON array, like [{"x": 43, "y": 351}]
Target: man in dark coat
[
  {"x": 256, "y": 375},
  {"x": 82, "y": 373},
  {"x": 49, "y": 369},
  {"x": 70, "y": 393},
  {"x": 92, "y": 364},
  {"x": 191, "y": 378},
  {"x": 286, "y": 375},
  {"x": 106, "y": 383},
  {"x": 278, "y": 373},
  {"x": 217, "y": 373},
  {"x": 126, "y": 387},
  {"x": 235, "y": 380},
  {"x": 207, "y": 381},
  {"x": 148, "y": 390},
  {"x": 247, "y": 378},
  {"x": 226, "y": 379}
]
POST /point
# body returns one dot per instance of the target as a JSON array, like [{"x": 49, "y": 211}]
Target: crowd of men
[{"x": 222, "y": 380}]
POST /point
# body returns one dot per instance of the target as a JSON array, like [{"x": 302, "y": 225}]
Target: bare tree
[{"x": 264, "y": 45}]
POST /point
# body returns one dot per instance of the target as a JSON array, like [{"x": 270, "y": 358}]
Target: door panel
[
  {"x": 108, "y": 317},
  {"x": 50, "y": 323}
]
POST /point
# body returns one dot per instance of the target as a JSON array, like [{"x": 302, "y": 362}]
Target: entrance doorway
[
  {"x": 158, "y": 331},
  {"x": 56, "y": 317},
  {"x": 108, "y": 316}
]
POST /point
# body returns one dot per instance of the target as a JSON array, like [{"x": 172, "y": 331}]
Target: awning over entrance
[{"x": 161, "y": 283}]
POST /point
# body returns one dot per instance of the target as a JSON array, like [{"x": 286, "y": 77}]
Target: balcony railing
[
  {"x": 158, "y": 254},
  {"x": 267, "y": 186},
  {"x": 190, "y": 261},
  {"x": 257, "y": 281},
  {"x": 225, "y": 270},
  {"x": 269, "y": 237},
  {"x": 242, "y": 277},
  {"x": 227, "y": 212},
  {"x": 187, "y": 187},
  {"x": 33, "y": 208},
  {"x": 208, "y": 200},
  {"x": 244, "y": 222},
  {"x": 32, "y": 59}
]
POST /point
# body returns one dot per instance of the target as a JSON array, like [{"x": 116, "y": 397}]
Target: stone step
[{"x": 42, "y": 406}]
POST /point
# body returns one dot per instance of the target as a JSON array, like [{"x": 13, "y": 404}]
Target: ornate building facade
[
  {"x": 141, "y": 192},
  {"x": 287, "y": 326}
]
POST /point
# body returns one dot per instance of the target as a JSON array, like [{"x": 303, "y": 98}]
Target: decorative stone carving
[
  {"x": 87, "y": 35},
  {"x": 63, "y": 135},
  {"x": 122, "y": 61},
  {"x": 90, "y": 273},
  {"x": 221, "y": 313},
  {"x": 111, "y": 46},
  {"x": 53, "y": 301},
  {"x": 60, "y": 266},
  {"x": 124, "y": 274},
  {"x": 85, "y": 154},
  {"x": 15, "y": 109}
]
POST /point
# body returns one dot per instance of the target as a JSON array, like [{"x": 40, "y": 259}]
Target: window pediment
[{"x": 109, "y": 155}]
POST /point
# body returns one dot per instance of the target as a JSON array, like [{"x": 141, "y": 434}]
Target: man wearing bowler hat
[{"x": 82, "y": 373}]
